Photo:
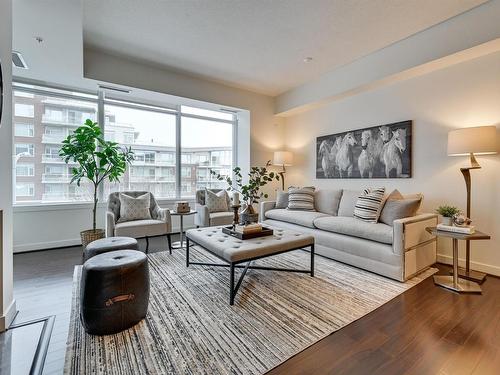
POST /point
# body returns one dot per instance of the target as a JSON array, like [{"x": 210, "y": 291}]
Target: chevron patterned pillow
[
  {"x": 301, "y": 199},
  {"x": 369, "y": 205}
]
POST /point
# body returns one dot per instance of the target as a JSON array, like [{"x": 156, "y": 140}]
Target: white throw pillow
[
  {"x": 216, "y": 202},
  {"x": 134, "y": 208},
  {"x": 369, "y": 205},
  {"x": 301, "y": 199}
]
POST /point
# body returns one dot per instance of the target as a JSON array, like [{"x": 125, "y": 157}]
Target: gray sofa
[{"x": 399, "y": 251}]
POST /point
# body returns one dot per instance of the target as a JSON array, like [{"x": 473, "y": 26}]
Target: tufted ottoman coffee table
[{"x": 234, "y": 252}]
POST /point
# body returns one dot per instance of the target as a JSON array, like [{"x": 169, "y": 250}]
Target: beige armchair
[
  {"x": 205, "y": 218},
  {"x": 160, "y": 223}
]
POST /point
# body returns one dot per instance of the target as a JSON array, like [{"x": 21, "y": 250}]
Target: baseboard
[
  {"x": 22, "y": 248},
  {"x": 46, "y": 245},
  {"x": 7, "y": 319},
  {"x": 487, "y": 268}
]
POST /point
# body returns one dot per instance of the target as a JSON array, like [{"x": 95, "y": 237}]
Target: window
[
  {"x": 25, "y": 169},
  {"x": 49, "y": 115},
  {"x": 25, "y": 189},
  {"x": 151, "y": 134},
  {"x": 25, "y": 149},
  {"x": 50, "y": 123},
  {"x": 24, "y": 130},
  {"x": 205, "y": 144},
  {"x": 24, "y": 110}
]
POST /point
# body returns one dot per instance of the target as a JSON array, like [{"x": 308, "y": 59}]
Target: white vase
[{"x": 447, "y": 220}]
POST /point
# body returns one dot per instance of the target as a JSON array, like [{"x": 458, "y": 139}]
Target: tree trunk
[{"x": 94, "y": 210}]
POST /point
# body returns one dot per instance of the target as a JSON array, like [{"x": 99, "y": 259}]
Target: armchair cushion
[
  {"x": 134, "y": 208},
  {"x": 216, "y": 202},
  {"x": 141, "y": 228}
]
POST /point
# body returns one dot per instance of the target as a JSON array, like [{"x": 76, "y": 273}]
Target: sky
[{"x": 159, "y": 128}]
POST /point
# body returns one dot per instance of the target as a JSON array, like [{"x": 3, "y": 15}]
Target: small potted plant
[
  {"x": 97, "y": 160},
  {"x": 250, "y": 192},
  {"x": 447, "y": 212}
]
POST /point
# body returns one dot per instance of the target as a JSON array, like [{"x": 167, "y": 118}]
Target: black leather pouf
[
  {"x": 114, "y": 291},
  {"x": 105, "y": 245}
]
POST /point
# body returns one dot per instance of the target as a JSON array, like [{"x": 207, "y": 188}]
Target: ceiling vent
[{"x": 18, "y": 60}]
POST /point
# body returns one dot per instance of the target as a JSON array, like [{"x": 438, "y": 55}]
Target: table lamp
[
  {"x": 285, "y": 159},
  {"x": 481, "y": 140}
]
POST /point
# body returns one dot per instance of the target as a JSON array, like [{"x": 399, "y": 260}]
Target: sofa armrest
[
  {"x": 110, "y": 224},
  {"x": 410, "y": 232},
  {"x": 264, "y": 207},
  {"x": 202, "y": 216}
]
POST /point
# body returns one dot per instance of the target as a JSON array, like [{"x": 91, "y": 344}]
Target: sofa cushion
[
  {"x": 304, "y": 218},
  {"x": 353, "y": 227},
  {"x": 327, "y": 201},
  {"x": 301, "y": 199},
  {"x": 282, "y": 199},
  {"x": 369, "y": 205},
  {"x": 348, "y": 202}
]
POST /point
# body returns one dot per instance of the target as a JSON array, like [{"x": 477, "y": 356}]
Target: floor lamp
[
  {"x": 481, "y": 140},
  {"x": 285, "y": 159}
]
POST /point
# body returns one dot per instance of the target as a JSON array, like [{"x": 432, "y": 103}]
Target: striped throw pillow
[
  {"x": 369, "y": 205},
  {"x": 301, "y": 198}
]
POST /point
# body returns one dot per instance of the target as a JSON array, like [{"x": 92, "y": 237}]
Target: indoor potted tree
[
  {"x": 447, "y": 212},
  {"x": 258, "y": 177},
  {"x": 97, "y": 160}
]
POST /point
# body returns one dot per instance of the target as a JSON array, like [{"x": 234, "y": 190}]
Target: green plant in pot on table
[
  {"x": 447, "y": 212},
  {"x": 258, "y": 177},
  {"x": 97, "y": 160}
]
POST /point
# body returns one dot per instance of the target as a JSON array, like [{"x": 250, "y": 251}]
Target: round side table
[
  {"x": 182, "y": 243},
  {"x": 455, "y": 282}
]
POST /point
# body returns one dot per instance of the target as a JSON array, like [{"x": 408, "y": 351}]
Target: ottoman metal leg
[
  {"x": 187, "y": 252},
  {"x": 231, "y": 284}
]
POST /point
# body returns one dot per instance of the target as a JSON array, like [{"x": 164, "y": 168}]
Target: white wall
[
  {"x": 466, "y": 94},
  {"x": 7, "y": 303}
]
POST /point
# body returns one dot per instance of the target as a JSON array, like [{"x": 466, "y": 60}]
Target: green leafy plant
[
  {"x": 96, "y": 158},
  {"x": 258, "y": 177},
  {"x": 447, "y": 211}
]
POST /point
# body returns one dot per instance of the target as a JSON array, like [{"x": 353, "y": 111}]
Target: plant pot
[
  {"x": 447, "y": 220},
  {"x": 90, "y": 235},
  {"x": 248, "y": 215}
]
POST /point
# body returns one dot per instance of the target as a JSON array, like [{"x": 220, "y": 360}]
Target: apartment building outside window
[{"x": 45, "y": 117}]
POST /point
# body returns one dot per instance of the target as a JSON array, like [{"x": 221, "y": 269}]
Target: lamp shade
[
  {"x": 283, "y": 158},
  {"x": 480, "y": 140}
]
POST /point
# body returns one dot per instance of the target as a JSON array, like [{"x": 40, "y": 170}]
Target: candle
[{"x": 236, "y": 198}]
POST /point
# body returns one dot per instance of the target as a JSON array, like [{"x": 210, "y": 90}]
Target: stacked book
[
  {"x": 451, "y": 228},
  {"x": 250, "y": 228}
]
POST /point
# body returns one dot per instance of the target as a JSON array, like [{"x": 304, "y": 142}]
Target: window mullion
[
  {"x": 101, "y": 120},
  {"x": 178, "y": 154}
]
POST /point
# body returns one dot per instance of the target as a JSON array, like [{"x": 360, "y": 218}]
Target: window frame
[{"x": 100, "y": 100}]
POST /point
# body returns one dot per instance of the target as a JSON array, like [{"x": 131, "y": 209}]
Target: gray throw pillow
[
  {"x": 301, "y": 199},
  {"x": 395, "y": 209},
  {"x": 348, "y": 202},
  {"x": 281, "y": 199},
  {"x": 134, "y": 208},
  {"x": 216, "y": 202}
]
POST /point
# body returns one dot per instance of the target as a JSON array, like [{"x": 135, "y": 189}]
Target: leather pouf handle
[{"x": 122, "y": 298}]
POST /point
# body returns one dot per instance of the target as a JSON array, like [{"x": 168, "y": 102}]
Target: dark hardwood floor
[{"x": 426, "y": 330}]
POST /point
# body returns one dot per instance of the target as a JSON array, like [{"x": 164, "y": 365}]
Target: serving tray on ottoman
[
  {"x": 236, "y": 253},
  {"x": 246, "y": 236}
]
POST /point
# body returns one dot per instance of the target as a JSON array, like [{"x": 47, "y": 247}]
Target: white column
[{"x": 7, "y": 302}]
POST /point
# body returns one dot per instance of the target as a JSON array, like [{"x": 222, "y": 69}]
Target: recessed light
[
  {"x": 308, "y": 59},
  {"x": 18, "y": 60}
]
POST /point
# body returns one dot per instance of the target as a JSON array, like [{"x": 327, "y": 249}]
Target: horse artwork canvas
[{"x": 382, "y": 151}]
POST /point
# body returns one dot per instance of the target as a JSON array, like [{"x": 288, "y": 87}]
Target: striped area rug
[{"x": 191, "y": 329}]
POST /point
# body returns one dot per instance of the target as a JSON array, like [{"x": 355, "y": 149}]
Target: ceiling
[{"x": 257, "y": 45}]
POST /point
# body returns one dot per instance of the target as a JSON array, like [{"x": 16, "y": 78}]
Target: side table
[
  {"x": 182, "y": 243},
  {"x": 454, "y": 282}
]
